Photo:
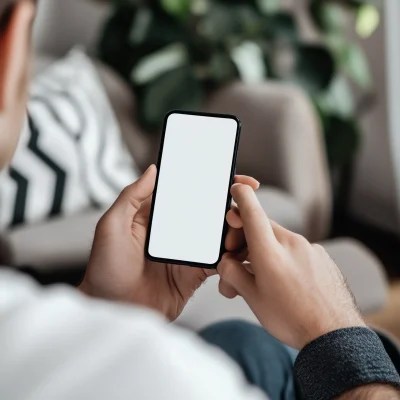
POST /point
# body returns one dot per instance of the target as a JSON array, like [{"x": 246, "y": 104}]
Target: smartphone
[{"x": 196, "y": 169}]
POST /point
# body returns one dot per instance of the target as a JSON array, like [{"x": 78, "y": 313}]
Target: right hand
[{"x": 293, "y": 287}]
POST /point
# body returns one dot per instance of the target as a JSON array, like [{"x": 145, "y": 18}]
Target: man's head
[{"x": 16, "y": 18}]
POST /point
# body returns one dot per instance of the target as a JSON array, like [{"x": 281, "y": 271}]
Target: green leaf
[
  {"x": 315, "y": 68},
  {"x": 168, "y": 58},
  {"x": 337, "y": 99},
  {"x": 199, "y": 7},
  {"x": 141, "y": 25},
  {"x": 336, "y": 42},
  {"x": 351, "y": 58},
  {"x": 249, "y": 60},
  {"x": 355, "y": 63},
  {"x": 328, "y": 16},
  {"x": 269, "y": 6},
  {"x": 177, "y": 8},
  {"x": 177, "y": 89},
  {"x": 342, "y": 138},
  {"x": 368, "y": 19}
]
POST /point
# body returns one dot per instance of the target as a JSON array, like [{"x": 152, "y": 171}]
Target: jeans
[{"x": 265, "y": 361}]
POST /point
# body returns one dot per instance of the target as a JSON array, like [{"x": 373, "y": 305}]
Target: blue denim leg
[{"x": 265, "y": 361}]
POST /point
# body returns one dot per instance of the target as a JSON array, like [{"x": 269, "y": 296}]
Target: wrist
[
  {"x": 331, "y": 325},
  {"x": 324, "y": 332},
  {"x": 341, "y": 361}
]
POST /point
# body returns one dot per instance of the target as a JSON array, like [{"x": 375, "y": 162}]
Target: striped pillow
[{"x": 71, "y": 156}]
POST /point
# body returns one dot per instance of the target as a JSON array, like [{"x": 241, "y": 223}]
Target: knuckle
[
  {"x": 136, "y": 204},
  {"x": 226, "y": 290},
  {"x": 243, "y": 190},
  {"x": 296, "y": 240},
  {"x": 226, "y": 269},
  {"x": 106, "y": 223},
  {"x": 317, "y": 247},
  {"x": 125, "y": 191},
  {"x": 253, "y": 210},
  {"x": 102, "y": 222}
]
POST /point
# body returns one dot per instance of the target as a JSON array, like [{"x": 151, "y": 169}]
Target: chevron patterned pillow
[{"x": 71, "y": 156}]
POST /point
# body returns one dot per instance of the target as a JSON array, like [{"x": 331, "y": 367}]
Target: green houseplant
[{"x": 175, "y": 52}]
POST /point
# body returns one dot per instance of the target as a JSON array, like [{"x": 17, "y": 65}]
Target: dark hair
[{"x": 6, "y": 9}]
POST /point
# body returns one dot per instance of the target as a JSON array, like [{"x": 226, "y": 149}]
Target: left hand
[{"x": 118, "y": 269}]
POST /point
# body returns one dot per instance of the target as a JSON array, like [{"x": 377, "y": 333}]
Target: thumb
[
  {"x": 132, "y": 197},
  {"x": 235, "y": 275}
]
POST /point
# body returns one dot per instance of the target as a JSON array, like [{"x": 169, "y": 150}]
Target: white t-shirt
[{"x": 57, "y": 344}]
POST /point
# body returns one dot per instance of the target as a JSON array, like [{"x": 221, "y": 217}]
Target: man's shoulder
[{"x": 67, "y": 345}]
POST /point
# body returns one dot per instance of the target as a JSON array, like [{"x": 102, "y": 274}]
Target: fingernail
[
  {"x": 148, "y": 169},
  {"x": 233, "y": 186}
]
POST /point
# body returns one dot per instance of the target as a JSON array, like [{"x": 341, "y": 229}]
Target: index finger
[{"x": 257, "y": 227}]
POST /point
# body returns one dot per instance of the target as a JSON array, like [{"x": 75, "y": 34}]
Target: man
[{"x": 60, "y": 344}]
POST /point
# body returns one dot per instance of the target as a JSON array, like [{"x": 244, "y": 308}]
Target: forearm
[{"x": 372, "y": 392}]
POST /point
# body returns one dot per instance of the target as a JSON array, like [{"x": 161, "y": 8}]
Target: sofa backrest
[{"x": 61, "y": 24}]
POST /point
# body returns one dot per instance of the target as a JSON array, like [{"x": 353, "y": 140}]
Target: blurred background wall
[
  {"x": 374, "y": 193},
  {"x": 374, "y": 190}
]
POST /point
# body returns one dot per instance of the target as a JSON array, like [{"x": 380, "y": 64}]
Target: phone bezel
[{"x": 229, "y": 197}]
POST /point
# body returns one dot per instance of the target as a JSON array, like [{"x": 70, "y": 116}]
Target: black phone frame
[{"x": 229, "y": 196}]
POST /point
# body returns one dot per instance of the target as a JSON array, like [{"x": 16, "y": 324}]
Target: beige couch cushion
[
  {"x": 56, "y": 244},
  {"x": 62, "y": 24}
]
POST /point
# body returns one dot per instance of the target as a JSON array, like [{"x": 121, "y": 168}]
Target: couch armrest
[
  {"x": 56, "y": 244},
  {"x": 282, "y": 145}
]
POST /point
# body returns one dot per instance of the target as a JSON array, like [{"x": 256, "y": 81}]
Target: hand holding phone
[
  {"x": 196, "y": 169},
  {"x": 293, "y": 287},
  {"x": 118, "y": 269}
]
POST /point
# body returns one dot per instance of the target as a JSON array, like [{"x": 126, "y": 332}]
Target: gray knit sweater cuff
[{"x": 343, "y": 360}]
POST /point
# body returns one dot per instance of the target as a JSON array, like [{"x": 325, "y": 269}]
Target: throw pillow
[{"x": 71, "y": 156}]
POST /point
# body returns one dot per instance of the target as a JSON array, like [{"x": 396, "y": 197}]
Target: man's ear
[{"x": 15, "y": 53}]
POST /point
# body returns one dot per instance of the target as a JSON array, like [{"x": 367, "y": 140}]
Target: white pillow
[{"x": 71, "y": 156}]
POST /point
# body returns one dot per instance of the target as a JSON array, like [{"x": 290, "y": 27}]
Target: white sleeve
[{"x": 56, "y": 344}]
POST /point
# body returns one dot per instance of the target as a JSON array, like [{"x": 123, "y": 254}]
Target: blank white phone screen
[{"x": 193, "y": 186}]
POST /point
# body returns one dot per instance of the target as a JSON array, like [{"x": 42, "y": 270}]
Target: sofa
[{"x": 281, "y": 146}]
